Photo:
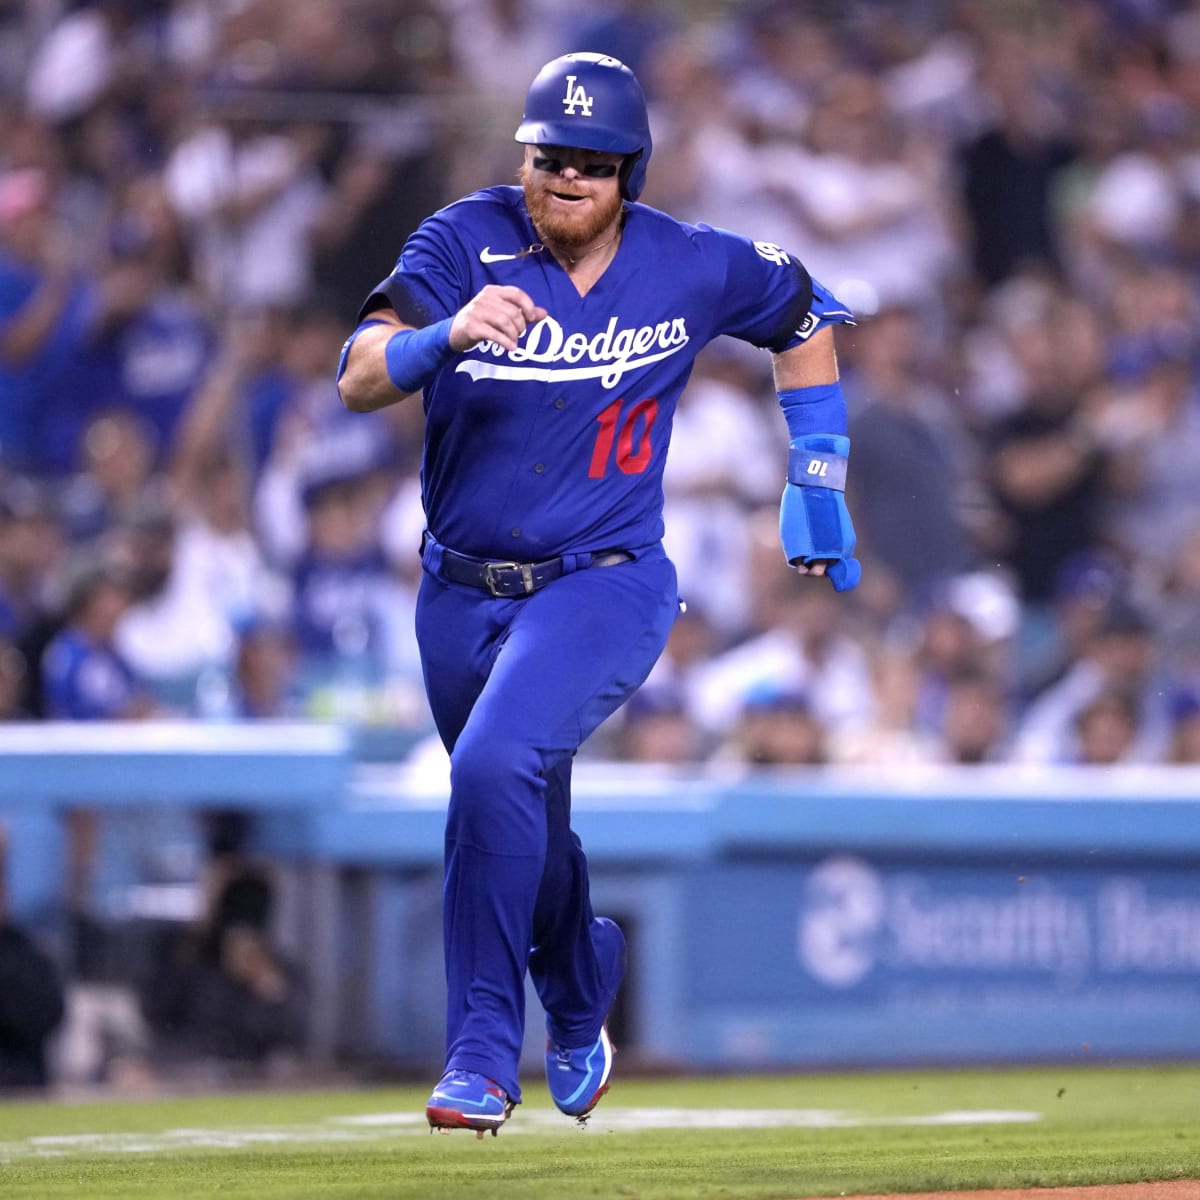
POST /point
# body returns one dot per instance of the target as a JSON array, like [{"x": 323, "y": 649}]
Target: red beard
[{"x": 566, "y": 229}]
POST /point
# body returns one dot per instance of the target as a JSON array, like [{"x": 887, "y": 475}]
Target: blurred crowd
[{"x": 195, "y": 197}]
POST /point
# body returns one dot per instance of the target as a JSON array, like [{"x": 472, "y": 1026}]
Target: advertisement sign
[{"x": 848, "y": 959}]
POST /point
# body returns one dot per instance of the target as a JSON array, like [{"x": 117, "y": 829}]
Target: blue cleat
[
  {"x": 578, "y": 1076},
  {"x": 467, "y": 1100}
]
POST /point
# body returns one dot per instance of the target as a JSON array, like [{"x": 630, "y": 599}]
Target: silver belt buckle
[{"x": 492, "y": 569}]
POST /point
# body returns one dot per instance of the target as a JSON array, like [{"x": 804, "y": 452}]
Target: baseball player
[{"x": 551, "y": 328}]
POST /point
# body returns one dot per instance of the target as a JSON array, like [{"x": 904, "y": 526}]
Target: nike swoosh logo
[{"x": 486, "y": 255}]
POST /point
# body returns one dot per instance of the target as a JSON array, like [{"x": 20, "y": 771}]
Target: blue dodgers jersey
[
  {"x": 559, "y": 446},
  {"x": 85, "y": 680}
]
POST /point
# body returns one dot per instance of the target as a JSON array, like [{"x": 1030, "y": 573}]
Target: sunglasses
[{"x": 589, "y": 170}]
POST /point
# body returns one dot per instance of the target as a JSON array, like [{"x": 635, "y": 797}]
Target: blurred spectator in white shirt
[
  {"x": 724, "y": 436},
  {"x": 252, "y": 196},
  {"x": 1122, "y": 656},
  {"x": 893, "y": 734},
  {"x": 173, "y": 630},
  {"x": 871, "y": 202},
  {"x": 802, "y": 643}
]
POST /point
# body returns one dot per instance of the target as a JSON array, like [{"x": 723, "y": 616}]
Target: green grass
[{"x": 1095, "y": 1126}]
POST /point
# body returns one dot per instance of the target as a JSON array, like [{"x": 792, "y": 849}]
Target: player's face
[{"x": 573, "y": 196}]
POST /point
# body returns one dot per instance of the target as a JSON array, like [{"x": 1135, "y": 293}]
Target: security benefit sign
[{"x": 851, "y": 961}]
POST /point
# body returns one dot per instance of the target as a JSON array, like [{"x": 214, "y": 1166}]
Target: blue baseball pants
[{"x": 515, "y": 687}]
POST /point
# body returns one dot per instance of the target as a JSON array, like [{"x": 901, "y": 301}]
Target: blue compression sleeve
[
  {"x": 819, "y": 409},
  {"x": 414, "y": 355}
]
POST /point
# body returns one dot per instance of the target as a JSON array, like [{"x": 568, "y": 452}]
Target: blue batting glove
[{"x": 814, "y": 523}]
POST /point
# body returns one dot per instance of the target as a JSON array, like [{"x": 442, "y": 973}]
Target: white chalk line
[{"x": 375, "y": 1127}]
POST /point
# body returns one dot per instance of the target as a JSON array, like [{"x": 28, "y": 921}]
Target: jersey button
[
  {"x": 516, "y": 531},
  {"x": 537, "y": 470},
  {"x": 560, "y": 403}
]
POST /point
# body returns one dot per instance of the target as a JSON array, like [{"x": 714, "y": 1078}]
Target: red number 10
[{"x": 629, "y": 460}]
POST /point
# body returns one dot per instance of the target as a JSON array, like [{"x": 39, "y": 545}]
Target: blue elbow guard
[{"x": 814, "y": 524}]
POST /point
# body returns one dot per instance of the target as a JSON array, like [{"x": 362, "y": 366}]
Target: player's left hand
[{"x": 818, "y": 535}]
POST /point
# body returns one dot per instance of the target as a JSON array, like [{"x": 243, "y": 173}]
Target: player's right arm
[
  {"x": 363, "y": 382},
  {"x": 385, "y": 360}
]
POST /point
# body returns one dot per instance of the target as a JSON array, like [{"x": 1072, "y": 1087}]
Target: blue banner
[{"x": 851, "y": 960}]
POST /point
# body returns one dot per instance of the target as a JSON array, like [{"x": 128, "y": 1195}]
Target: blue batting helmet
[{"x": 591, "y": 102}]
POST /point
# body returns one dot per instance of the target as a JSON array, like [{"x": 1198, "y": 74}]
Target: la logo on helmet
[{"x": 576, "y": 96}]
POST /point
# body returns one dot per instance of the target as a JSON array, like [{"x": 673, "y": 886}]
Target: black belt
[{"x": 504, "y": 579}]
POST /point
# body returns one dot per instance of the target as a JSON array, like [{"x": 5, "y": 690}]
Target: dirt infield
[{"x": 1180, "y": 1189}]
